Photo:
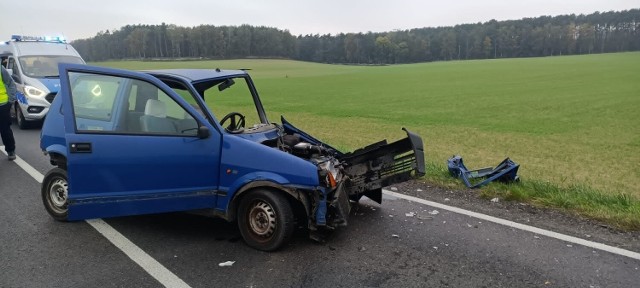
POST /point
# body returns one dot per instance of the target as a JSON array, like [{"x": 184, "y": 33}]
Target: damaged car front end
[{"x": 346, "y": 177}]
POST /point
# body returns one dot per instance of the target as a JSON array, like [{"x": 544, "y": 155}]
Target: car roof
[{"x": 196, "y": 75}]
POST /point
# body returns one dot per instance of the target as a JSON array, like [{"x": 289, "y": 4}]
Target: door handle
[{"x": 80, "y": 148}]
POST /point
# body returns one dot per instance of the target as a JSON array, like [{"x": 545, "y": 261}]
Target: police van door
[{"x": 125, "y": 159}]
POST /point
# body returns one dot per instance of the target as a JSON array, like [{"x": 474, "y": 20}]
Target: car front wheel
[
  {"x": 265, "y": 219},
  {"x": 55, "y": 190},
  {"x": 21, "y": 121}
]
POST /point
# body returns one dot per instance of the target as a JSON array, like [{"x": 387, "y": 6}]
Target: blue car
[{"x": 130, "y": 143}]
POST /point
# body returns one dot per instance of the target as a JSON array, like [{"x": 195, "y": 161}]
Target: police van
[{"x": 33, "y": 65}]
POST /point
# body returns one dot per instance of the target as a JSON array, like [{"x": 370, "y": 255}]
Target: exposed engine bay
[{"x": 347, "y": 177}]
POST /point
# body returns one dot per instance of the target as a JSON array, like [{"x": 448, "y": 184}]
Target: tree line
[{"x": 527, "y": 37}]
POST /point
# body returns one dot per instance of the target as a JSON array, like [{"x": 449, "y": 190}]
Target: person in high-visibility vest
[{"x": 7, "y": 96}]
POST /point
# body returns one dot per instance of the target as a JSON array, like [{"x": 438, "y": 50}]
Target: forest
[{"x": 599, "y": 32}]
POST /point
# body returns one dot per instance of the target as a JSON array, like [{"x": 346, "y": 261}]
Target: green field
[{"x": 570, "y": 121}]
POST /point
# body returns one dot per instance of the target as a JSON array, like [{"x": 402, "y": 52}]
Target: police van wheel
[
  {"x": 22, "y": 123},
  {"x": 55, "y": 190},
  {"x": 265, "y": 219}
]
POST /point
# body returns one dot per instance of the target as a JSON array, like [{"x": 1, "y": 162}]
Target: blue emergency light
[{"x": 22, "y": 38}]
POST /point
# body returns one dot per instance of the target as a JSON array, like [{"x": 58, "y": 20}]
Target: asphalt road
[{"x": 381, "y": 247}]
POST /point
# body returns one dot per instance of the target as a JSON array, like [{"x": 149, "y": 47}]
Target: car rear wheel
[
  {"x": 55, "y": 192},
  {"x": 265, "y": 219}
]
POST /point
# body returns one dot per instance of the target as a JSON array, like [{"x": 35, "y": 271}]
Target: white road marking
[
  {"x": 152, "y": 266},
  {"x": 539, "y": 231},
  {"x": 25, "y": 166}
]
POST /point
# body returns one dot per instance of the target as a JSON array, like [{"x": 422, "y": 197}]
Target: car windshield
[
  {"x": 223, "y": 97},
  {"x": 232, "y": 95},
  {"x": 45, "y": 66}
]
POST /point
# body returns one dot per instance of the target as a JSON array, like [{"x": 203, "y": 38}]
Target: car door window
[{"x": 110, "y": 104}]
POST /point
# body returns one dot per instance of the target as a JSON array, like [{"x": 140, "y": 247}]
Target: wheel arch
[
  {"x": 57, "y": 156},
  {"x": 298, "y": 198}
]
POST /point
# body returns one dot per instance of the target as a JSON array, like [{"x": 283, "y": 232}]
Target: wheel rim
[
  {"x": 58, "y": 195},
  {"x": 262, "y": 219}
]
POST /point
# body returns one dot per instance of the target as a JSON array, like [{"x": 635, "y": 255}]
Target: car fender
[
  {"x": 57, "y": 149},
  {"x": 299, "y": 193}
]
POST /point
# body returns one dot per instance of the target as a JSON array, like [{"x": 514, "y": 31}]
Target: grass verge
[{"x": 619, "y": 210}]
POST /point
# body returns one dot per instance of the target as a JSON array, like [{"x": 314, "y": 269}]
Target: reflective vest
[{"x": 4, "y": 97}]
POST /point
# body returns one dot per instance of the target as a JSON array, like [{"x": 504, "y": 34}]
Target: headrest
[{"x": 155, "y": 108}]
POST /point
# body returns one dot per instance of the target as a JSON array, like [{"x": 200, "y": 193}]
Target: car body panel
[{"x": 124, "y": 175}]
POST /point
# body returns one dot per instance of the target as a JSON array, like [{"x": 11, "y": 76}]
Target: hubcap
[
  {"x": 262, "y": 219},
  {"x": 58, "y": 194}
]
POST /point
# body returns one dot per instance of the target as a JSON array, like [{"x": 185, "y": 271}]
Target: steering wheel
[{"x": 237, "y": 122}]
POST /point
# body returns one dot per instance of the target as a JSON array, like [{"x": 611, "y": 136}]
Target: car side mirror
[{"x": 203, "y": 132}]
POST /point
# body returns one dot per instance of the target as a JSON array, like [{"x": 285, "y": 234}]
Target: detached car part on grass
[
  {"x": 131, "y": 143},
  {"x": 505, "y": 172}
]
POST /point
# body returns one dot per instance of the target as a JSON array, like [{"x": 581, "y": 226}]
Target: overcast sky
[{"x": 76, "y": 19}]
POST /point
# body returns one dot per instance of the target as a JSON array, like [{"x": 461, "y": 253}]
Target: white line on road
[
  {"x": 152, "y": 266},
  {"x": 26, "y": 167},
  {"x": 567, "y": 238}
]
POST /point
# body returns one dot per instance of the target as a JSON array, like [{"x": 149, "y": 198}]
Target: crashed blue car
[{"x": 130, "y": 143}]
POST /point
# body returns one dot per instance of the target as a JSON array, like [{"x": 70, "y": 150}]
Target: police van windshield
[{"x": 45, "y": 66}]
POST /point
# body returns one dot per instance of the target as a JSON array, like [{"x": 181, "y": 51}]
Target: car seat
[{"x": 155, "y": 118}]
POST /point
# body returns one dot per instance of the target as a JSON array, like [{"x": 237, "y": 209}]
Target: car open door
[{"x": 134, "y": 145}]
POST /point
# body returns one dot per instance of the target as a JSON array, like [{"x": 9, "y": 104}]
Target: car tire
[
  {"x": 55, "y": 188},
  {"x": 265, "y": 219},
  {"x": 20, "y": 120}
]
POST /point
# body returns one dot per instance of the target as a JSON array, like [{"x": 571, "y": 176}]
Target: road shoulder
[{"x": 541, "y": 217}]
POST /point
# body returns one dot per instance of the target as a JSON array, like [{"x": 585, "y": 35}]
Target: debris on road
[
  {"x": 410, "y": 214},
  {"x": 447, "y": 199},
  {"x": 495, "y": 200},
  {"x": 394, "y": 189},
  {"x": 419, "y": 190},
  {"x": 362, "y": 249},
  {"x": 434, "y": 212},
  {"x": 425, "y": 217},
  {"x": 227, "y": 264},
  {"x": 505, "y": 172},
  {"x": 395, "y": 235}
]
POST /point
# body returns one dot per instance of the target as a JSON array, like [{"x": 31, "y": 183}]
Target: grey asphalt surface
[{"x": 442, "y": 250}]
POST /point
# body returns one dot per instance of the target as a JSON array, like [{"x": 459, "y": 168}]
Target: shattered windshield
[{"x": 45, "y": 66}]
